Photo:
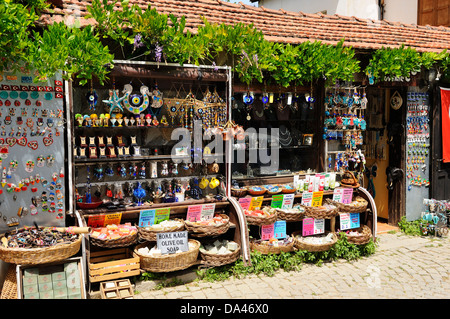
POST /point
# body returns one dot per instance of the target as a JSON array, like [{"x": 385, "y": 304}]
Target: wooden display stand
[{"x": 112, "y": 264}]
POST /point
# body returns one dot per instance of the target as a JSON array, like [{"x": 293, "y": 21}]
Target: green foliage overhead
[
  {"x": 78, "y": 52},
  {"x": 143, "y": 33},
  {"x": 389, "y": 64}
]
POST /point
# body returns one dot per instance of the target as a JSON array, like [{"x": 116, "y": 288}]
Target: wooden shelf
[{"x": 132, "y": 212}]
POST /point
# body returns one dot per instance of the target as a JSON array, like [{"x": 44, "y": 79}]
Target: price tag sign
[
  {"x": 288, "y": 201},
  {"x": 113, "y": 219},
  {"x": 308, "y": 226},
  {"x": 347, "y": 196},
  {"x": 337, "y": 194},
  {"x": 277, "y": 201},
  {"x": 319, "y": 226},
  {"x": 267, "y": 231},
  {"x": 256, "y": 202},
  {"x": 96, "y": 221},
  {"x": 317, "y": 199},
  {"x": 307, "y": 198},
  {"x": 344, "y": 221},
  {"x": 208, "y": 211},
  {"x": 245, "y": 202},
  {"x": 279, "y": 230},
  {"x": 146, "y": 217},
  {"x": 354, "y": 220},
  {"x": 161, "y": 214},
  {"x": 171, "y": 242},
  {"x": 194, "y": 213}
]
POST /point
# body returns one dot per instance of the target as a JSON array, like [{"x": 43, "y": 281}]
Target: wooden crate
[
  {"x": 118, "y": 289},
  {"x": 112, "y": 264}
]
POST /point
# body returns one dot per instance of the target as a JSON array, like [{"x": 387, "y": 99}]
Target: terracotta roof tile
[{"x": 283, "y": 26}]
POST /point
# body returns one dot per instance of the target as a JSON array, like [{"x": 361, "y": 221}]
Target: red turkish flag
[{"x": 445, "y": 114}]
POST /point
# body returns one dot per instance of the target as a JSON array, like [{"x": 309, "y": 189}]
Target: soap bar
[
  {"x": 30, "y": 280},
  {"x": 31, "y": 272},
  {"x": 34, "y": 295},
  {"x": 232, "y": 246},
  {"x": 46, "y": 286}
]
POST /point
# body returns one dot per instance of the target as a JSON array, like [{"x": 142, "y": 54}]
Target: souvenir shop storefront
[
  {"x": 159, "y": 170},
  {"x": 165, "y": 167}
]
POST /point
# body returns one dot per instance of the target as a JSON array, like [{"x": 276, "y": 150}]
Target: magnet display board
[
  {"x": 32, "y": 150},
  {"x": 417, "y": 151}
]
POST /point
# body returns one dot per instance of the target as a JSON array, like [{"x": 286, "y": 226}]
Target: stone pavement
[{"x": 403, "y": 267}]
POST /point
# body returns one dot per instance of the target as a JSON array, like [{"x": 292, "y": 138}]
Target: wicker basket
[
  {"x": 349, "y": 208},
  {"x": 37, "y": 256},
  {"x": 169, "y": 262},
  {"x": 215, "y": 260},
  {"x": 301, "y": 245},
  {"x": 207, "y": 230},
  {"x": 9, "y": 289},
  {"x": 283, "y": 214},
  {"x": 270, "y": 249},
  {"x": 364, "y": 238},
  {"x": 150, "y": 235},
  {"x": 123, "y": 241},
  {"x": 319, "y": 212},
  {"x": 238, "y": 192},
  {"x": 261, "y": 220}
]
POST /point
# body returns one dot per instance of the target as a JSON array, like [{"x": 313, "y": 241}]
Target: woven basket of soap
[
  {"x": 38, "y": 245},
  {"x": 219, "y": 252},
  {"x": 313, "y": 243},
  {"x": 215, "y": 226},
  {"x": 149, "y": 232},
  {"x": 152, "y": 260},
  {"x": 272, "y": 246},
  {"x": 292, "y": 214},
  {"x": 113, "y": 236},
  {"x": 358, "y": 205},
  {"x": 265, "y": 216},
  {"x": 359, "y": 236},
  {"x": 326, "y": 211}
]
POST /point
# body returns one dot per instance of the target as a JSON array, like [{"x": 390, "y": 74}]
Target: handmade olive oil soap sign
[{"x": 170, "y": 243}]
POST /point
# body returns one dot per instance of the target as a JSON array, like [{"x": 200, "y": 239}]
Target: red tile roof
[{"x": 285, "y": 26}]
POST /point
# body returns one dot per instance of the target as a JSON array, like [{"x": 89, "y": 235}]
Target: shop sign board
[{"x": 172, "y": 242}]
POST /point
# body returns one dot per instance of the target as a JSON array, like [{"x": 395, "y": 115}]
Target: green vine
[
  {"x": 79, "y": 53},
  {"x": 390, "y": 64}
]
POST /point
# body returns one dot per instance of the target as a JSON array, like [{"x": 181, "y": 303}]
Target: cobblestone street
[{"x": 403, "y": 267}]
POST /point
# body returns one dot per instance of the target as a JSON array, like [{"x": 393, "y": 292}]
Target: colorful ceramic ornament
[
  {"x": 92, "y": 98},
  {"x": 114, "y": 101},
  {"x": 136, "y": 103}
]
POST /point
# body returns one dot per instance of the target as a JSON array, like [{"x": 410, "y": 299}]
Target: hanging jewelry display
[{"x": 248, "y": 99}]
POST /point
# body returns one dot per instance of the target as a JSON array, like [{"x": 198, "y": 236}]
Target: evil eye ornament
[
  {"x": 136, "y": 100},
  {"x": 248, "y": 98},
  {"x": 92, "y": 98},
  {"x": 265, "y": 98}
]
